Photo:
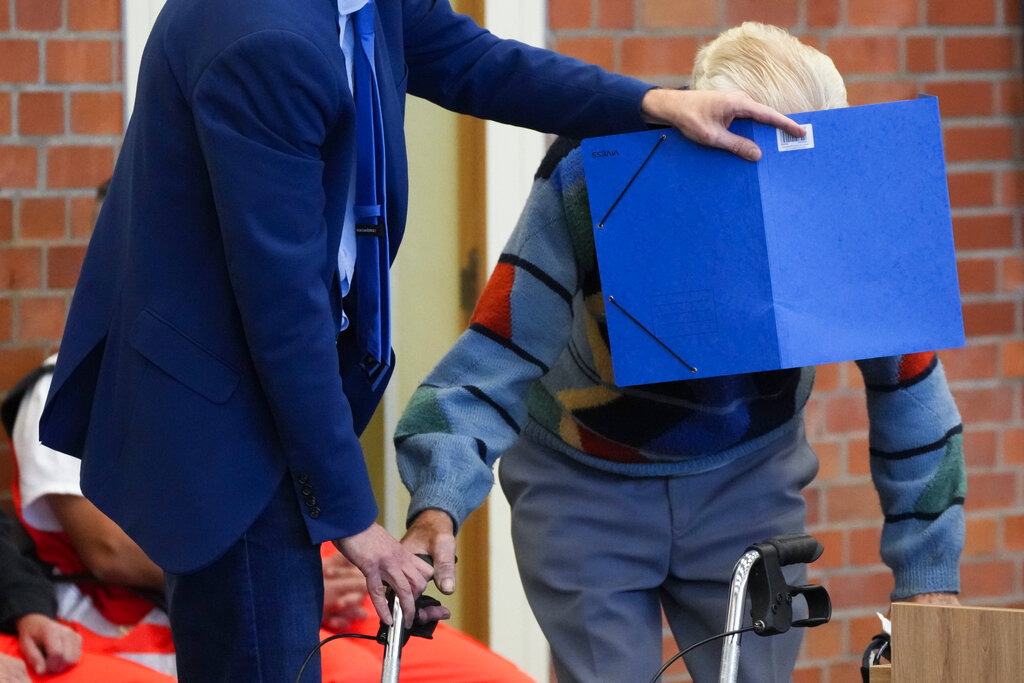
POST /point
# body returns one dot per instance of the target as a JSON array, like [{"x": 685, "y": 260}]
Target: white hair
[{"x": 772, "y": 66}]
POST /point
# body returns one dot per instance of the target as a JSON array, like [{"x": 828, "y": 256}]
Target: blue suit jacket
[{"x": 200, "y": 361}]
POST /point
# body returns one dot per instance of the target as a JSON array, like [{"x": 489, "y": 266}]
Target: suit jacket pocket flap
[{"x": 181, "y": 358}]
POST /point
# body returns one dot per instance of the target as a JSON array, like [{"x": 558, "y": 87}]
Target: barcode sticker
[{"x": 788, "y": 143}]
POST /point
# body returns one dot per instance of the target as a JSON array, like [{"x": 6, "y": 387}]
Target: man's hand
[
  {"x": 12, "y": 670},
  {"x": 704, "y": 116},
  {"x": 46, "y": 645},
  {"x": 948, "y": 599},
  {"x": 383, "y": 560},
  {"x": 344, "y": 590},
  {"x": 433, "y": 533}
]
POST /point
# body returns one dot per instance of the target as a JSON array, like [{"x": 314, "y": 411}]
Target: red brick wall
[
  {"x": 60, "y": 123},
  {"x": 60, "y": 119},
  {"x": 969, "y": 54}
]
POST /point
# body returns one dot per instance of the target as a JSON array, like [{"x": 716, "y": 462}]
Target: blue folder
[{"x": 834, "y": 247}]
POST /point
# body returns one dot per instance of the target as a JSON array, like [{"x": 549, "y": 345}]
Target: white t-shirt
[{"x": 42, "y": 471}]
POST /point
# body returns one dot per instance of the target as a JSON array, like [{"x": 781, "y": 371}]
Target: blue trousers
[
  {"x": 254, "y": 614},
  {"x": 600, "y": 555}
]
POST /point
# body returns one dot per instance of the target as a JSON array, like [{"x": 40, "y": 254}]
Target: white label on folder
[{"x": 788, "y": 143}]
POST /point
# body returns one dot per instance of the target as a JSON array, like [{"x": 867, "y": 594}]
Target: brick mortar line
[
  {"x": 57, "y": 90},
  {"x": 984, "y": 165},
  {"x": 970, "y": 76},
  {"x": 77, "y": 140},
  {"x": 988, "y": 254},
  {"x": 43, "y": 147},
  {"x": 1013, "y": 120},
  {"x": 32, "y": 88},
  {"x": 967, "y": 211},
  {"x": 47, "y": 193},
  {"x": 981, "y": 75},
  {"x": 981, "y": 383},
  {"x": 62, "y": 33},
  {"x": 899, "y": 32}
]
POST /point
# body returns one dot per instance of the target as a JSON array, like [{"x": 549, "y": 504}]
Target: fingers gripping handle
[{"x": 396, "y": 636}]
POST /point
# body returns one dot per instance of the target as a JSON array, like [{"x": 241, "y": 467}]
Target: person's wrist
[
  {"x": 653, "y": 105},
  {"x": 26, "y": 621},
  {"x": 434, "y": 518}
]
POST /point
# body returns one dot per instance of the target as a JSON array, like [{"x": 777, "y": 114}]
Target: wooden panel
[
  {"x": 957, "y": 644},
  {"x": 473, "y": 568},
  {"x": 881, "y": 673}
]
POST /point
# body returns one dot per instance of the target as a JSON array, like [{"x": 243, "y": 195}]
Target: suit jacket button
[
  {"x": 314, "y": 512},
  {"x": 307, "y": 491},
  {"x": 303, "y": 479}
]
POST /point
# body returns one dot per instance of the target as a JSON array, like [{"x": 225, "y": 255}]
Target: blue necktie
[{"x": 373, "y": 325}]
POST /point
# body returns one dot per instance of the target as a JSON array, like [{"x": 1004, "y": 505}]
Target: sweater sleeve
[
  {"x": 471, "y": 407},
  {"x": 23, "y": 588},
  {"x": 917, "y": 464}
]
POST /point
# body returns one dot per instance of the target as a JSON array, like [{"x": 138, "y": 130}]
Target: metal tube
[
  {"x": 734, "y": 620},
  {"x": 393, "y": 649}
]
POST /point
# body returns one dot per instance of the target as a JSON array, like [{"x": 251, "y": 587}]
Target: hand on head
[
  {"x": 705, "y": 116},
  {"x": 750, "y": 71}
]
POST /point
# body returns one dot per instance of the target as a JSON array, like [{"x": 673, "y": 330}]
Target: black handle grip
[{"x": 796, "y": 548}]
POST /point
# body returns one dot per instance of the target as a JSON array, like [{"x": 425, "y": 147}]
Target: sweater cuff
[
  {"x": 941, "y": 577},
  {"x": 455, "y": 500}
]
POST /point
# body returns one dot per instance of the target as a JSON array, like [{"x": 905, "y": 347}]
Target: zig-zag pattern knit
[{"x": 535, "y": 363}]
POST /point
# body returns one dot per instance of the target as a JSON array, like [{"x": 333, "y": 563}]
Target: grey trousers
[{"x": 600, "y": 555}]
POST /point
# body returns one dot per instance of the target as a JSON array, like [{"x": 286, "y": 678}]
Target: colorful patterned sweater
[{"x": 535, "y": 364}]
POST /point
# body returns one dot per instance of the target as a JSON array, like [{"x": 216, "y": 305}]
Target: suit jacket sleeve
[
  {"x": 460, "y": 66},
  {"x": 263, "y": 110}
]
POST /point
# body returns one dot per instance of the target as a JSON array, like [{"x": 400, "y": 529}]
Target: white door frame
[
  {"x": 512, "y": 157},
  {"x": 137, "y": 17}
]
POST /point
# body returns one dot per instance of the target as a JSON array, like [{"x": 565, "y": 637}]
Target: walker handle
[{"x": 796, "y": 548}]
